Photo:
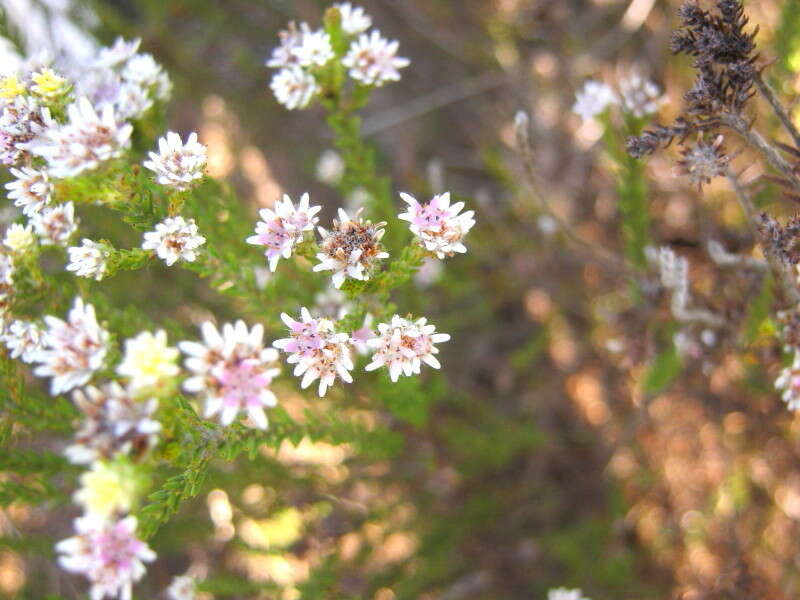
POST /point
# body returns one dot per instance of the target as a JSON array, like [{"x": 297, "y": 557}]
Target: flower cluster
[
  {"x": 304, "y": 54},
  {"x": 174, "y": 239},
  {"x": 282, "y": 227},
  {"x": 438, "y": 224},
  {"x": 637, "y": 96},
  {"x": 176, "y": 164}
]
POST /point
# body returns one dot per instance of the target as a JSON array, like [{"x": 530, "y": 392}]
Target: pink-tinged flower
[
  {"x": 73, "y": 349},
  {"x": 23, "y": 340},
  {"x": 233, "y": 371},
  {"x": 86, "y": 141},
  {"x": 402, "y": 346},
  {"x": 31, "y": 190},
  {"x": 360, "y": 338},
  {"x": 316, "y": 350},
  {"x": 373, "y": 60},
  {"x": 173, "y": 239},
  {"x": 438, "y": 224},
  {"x": 177, "y": 165},
  {"x": 293, "y": 87},
  {"x": 88, "y": 260},
  {"x": 354, "y": 19},
  {"x": 789, "y": 383},
  {"x": 282, "y": 227},
  {"x": 351, "y": 249},
  {"x": 55, "y": 224},
  {"x": 108, "y": 554},
  {"x": 114, "y": 422},
  {"x": 21, "y": 123},
  {"x": 291, "y": 39}
]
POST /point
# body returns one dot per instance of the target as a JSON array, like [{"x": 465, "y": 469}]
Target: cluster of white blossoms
[
  {"x": 174, "y": 239},
  {"x": 637, "y": 96},
  {"x": 304, "y": 53},
  {"x": 88, "y": 259},
  {"x": 177, "y": 165}
]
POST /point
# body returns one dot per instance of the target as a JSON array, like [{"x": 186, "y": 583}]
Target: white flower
[
  {"x": 115, "y": 423},
  {"x": 291, "y": 39},
  {"x": 85, "y": 142},
  {"x": 233, "y": 370},
  {"x": 330, "y": 167},
  {"x": 565, "y": 594},
  {"x": 72, "y": 350},
  {"x": 593, "y": 99},
  {"x": 373, "y": 60},
  {"x": 116, "y": 54},
  {"x": 108, "y": 554},
  {"x": 108, "y": 489},
  {"x": 88, "y": 259},
  {"x": 19, "y": 238},
  {"x": 314, "y": 50},
  {"x": 30, "y": 190},
  {"x": 173, "y": 239},
  {"x": 177, "y": 164},
  {"x": 142, "y": 69},
  {"x": 354, "y": 19},
  {"x": 55, "y": 224},
  {"x": 350, "y": 249},
  {"x": 21, "y": 123},
  {"x": 293, "y": 87},
  {"x": 183, "y": 587},
  {"x": 23, "y": 340},
  {"x": 640, "y": 97},
  {"x": 281, "y": 228},
  {"x": 316, "y": 350},
  {"x": 148, "y": 360},
  {"x": 789, "y": 383},
  {"x": 402, "y": 346},
  {"x": 438, "y": 224},
  {"x": 131, "y": 101},
  {"x": 7, "y": 270}
]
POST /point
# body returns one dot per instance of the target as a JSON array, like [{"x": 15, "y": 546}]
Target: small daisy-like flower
[
  {"x": 22, "y": 122},
  {"x": 233, "y": 371},
  {"x": 48, "y": 84},
  {"x": 173, "y": 239},
  {"x": 316, "y": 350},
  {"x": 11, "y": 87},
  {"x": 354, "y": 19},
  {"x": 19, "y": 238},
  {"x": 55, "y": 224},
  {"x": 148, "y": 360},
  {"x": 373, "y": 60},
  {"x": 23, "y": 340},
  {"x": 281, "y": 228},
  {"x": 88, "y": 260},
  {"x": 314, "y": 50},
  {"x": 293, "y": 87},
  {"x": 593, "y": 99},
  {"x": 291, "y": 39},
  {"x": 85, "y": 142},
  {"x": 351, "y": 249},
  {"x": 177, "y": 164},
  {"x": 183, "y": 587},
  {"x": 143, "y": 70},
  {"x": 438, "y": 224},
  {"x": 30, "y": 190},
  {"x": 108, "y": 489},
  {"x": 73, "y": 349},
  {"x": 402, "y": 346},
  {"x": 640, "y": 96},
  {"x": 330, "y": 167},
  {"x": 108, "y": 554},
  {"x": 115, "y": 423},
  {"x": 117, "y": 53},
  {"x": 565, "y": 594},
  {"x": 788, "y": 382},
  {"x": 131, "y": 101}
]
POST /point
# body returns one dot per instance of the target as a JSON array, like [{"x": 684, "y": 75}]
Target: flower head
[
  {"x": 23, "y": 340},
  {"x": 281, "y": 228},
  {"x": 108, "y": 489},
  {"x": 402, "y": 346},
  {"x": 73, "y": 349},
  {"x": 11, "y": 87},
  {"x": 293, "y": 87},
  {"x": 233, "y": 371},
  {"x": 703, "y": 161},
  {"x": 174, "y": 239},
  {"x": 55, "y": 224},
  {"x": 565, "y": 594},
  {"x": 593, "y": 99},
  {"x": 177, "y": 164},
  {"x": 86, "y": 141},
  {"x": 354, "y": 19},
  {"x": 115, "y": 422},
  {"x": 640, "y": 96},
  {"x": 788, "y": 382},
  {"x": 351, "y": 249},
  {"x": 30, "y": 190},
  {"x": 314, "y": 49},
  {"x": 19, "y": 238},
  {"x": 88, "y": 260},
  {"x": 148, "y": 360},
  {"x": 438, "y": 224},
  {"x": 116, "y": 54},
  {"x": 48, "y": 84},
  {"x": 22, "y": 123},
  {"x": 183, "y": 587},
  {"x": 7, "y": 270},
  {"x": 108, "y": 554},
  {"x": 373, "y": 60},
  {"x": 290, "y": 39}
]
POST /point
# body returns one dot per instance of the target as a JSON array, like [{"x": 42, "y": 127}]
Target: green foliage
[{"x": 663, "y": 370}]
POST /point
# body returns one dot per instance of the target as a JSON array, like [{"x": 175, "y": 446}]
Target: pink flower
[
  {"x": 282, "y": 228},
  {"x": 438, "y": 224},
  {"x": 402, "y": 346}
]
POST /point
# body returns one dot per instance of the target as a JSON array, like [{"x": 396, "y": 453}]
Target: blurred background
[{"x": 545, "y": 455}]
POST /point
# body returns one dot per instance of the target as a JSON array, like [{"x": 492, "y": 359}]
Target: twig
[{"x": 771, "y": 97}]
